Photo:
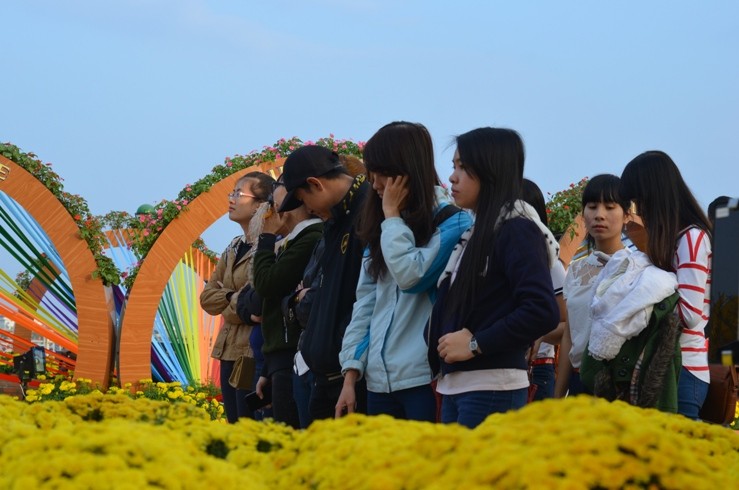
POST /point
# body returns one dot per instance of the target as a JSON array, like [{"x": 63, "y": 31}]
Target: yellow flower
[{"x": 118, "y": 441}]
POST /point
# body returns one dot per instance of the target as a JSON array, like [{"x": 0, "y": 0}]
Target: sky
[{"x": 132, "y": 100}]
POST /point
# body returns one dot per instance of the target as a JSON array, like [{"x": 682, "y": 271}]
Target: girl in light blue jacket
[{"x": 410, "y": 231}]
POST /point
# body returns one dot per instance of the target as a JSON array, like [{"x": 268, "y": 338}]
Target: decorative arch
[
  {"x": 137, "y": 323},
  {"x": 95, "y": 326}
]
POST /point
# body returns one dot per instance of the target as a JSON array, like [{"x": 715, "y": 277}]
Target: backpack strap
[{"x": 445, "y": 213}]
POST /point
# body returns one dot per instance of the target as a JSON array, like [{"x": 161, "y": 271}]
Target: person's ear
[{"x": 314, "y": 184}]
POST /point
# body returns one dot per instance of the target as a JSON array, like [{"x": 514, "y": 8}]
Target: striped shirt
[{"x": 692, "y": 263}]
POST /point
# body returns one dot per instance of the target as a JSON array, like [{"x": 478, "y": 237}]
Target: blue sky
[{"x": 132, "y": 100}]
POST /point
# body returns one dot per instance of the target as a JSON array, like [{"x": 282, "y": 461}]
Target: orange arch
[
  {"x": 95, "y": 326},
  {"x": 137, "y": 324},
  {"x": 568, "y": 245}
]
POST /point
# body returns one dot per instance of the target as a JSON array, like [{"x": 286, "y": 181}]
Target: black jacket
[
  {"x": 298, "y": 312},
  {"x": 275, "y": 275},
  {"x": 515, "y": 304},
  {"x": 340, "y": 265}
]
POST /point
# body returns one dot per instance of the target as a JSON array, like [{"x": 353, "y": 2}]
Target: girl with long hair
[
  {"x": 678, "y": 239},
  {"x": 495, "y": 296},
  {"x": 410, "y": 232}
]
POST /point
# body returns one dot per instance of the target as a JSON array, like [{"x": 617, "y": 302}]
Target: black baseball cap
[{"x": 306, "y": 161}]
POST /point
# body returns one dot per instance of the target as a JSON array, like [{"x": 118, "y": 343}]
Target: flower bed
[
  {"x": 113, "y": 441},
  {"x": 204, "y": 398}
]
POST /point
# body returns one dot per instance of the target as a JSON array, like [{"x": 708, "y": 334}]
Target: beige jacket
[{"x": 233, "y": 339}]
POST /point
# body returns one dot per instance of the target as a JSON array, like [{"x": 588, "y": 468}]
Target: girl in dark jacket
[{"x": 495, "y": 295}]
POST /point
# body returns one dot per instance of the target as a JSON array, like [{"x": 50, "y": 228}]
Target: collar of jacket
[{"x": 344, "y": 207}]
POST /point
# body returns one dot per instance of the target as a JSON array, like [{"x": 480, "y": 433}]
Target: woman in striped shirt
[{"x": 677, "y": 240}]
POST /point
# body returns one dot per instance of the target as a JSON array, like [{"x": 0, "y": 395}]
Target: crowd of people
[{"x": 367, "y": 286}]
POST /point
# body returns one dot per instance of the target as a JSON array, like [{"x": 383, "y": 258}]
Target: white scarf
[{"x": 521, "y": 209}]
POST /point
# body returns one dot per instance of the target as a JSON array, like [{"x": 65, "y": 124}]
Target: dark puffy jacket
[{"x": 334, "y": 298}]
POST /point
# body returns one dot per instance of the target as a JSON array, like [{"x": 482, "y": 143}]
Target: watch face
[{"x": 473, "y": 344}]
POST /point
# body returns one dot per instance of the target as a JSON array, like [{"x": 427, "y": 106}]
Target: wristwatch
[{"x": 474, "y": 347}]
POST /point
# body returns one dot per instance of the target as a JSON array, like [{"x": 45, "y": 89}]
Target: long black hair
[
  {"x": 531, "y": 193},
  {"x": 397, "y": 149},
  {"x": 495, "y": 158},
  {"x": 664, "y": 202}
]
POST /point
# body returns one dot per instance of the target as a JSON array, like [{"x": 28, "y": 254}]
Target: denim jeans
[
  {"x": 417, "y": 403},
  {"x": 543, "y": 377},
  {"x": 234, "y": 403},
  {"x": 691, "y": 393},
  {"x": 472, "y": 408},
  {"x": 302, "y": 386},
  {"x": 284, "y": 408}
]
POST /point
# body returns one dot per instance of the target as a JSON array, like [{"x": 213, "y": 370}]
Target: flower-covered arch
[
  {"x": 94, "y": 345},
  {"x": 146, "y": 292}
]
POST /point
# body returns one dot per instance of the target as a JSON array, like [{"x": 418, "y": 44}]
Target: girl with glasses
[{"x": 219, "y": 297}]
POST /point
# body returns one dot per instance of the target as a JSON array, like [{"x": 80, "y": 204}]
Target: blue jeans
[
  {"x": 543, "y": 375},
  {"x": 472, "y": 408},
  {"x": 234, "y": 403},
  {"x": 302, "y": 386},
  {"x": 691, "y": 393},
  {"x": 417, "y": 403}
]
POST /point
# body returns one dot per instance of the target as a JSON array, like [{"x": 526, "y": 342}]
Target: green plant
[
  {"x": 563, "y": 207},
  {"x": 23, "y": 280}
]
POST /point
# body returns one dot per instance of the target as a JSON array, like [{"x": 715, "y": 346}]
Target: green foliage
[
  {"x": 563, "y": 207},
  {"x": 23, "y": 280}
]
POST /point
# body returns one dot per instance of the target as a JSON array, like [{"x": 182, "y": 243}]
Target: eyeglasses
[{"x": 236, "y": 195}]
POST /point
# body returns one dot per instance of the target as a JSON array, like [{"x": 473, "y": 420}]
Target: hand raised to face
[
  {"x": 273, "y": 222},
  {"x": 395, "y": 195}
]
